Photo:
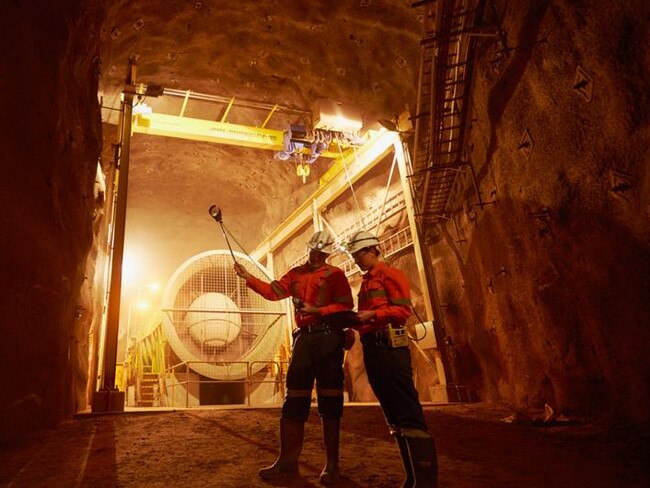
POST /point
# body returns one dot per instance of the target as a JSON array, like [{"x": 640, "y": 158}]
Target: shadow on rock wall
[{"x": 555, "y": 313}]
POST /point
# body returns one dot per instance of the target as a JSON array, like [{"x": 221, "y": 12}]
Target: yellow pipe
[
  {"x": 225, "y": 114},
  {"x": 268, "y": 117},
  {"x": 187, "y": 97}
]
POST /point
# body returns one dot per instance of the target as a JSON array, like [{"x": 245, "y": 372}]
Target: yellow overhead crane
[
  {"x": 146, "y": 121},
  {"x": 208, "y": 131}
]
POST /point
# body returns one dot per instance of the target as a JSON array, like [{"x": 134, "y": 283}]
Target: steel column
[{"x": 113, "y": 314}]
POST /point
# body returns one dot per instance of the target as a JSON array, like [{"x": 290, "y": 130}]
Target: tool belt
[
  {"x": 377, "y": 337},
  {"x": 341, "y": 320},
  {"x": 320, "y": 328},
  {"x": 391, "y": 336}
]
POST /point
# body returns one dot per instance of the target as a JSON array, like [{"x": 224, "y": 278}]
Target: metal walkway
[{"x": 443, "y": 103}]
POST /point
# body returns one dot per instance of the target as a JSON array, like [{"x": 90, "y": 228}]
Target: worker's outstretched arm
[{"x": 276, "y": 290}]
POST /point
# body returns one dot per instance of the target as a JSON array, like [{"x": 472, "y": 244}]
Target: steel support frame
[
  {"x": 352, "y": 165},
  {"x": 426, "y": 275},
  {"x": 376, "y": 148},
  {"x": 107, "y": 398},
  {"x": 358, "y": 163}
]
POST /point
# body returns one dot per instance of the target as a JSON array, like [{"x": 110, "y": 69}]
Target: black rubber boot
[
  {"x": 406, "y": 460},
  {"x": 331, "y": 473},
  {"x": 424, "y": 460},
  {"x": 291, "y": 435}
]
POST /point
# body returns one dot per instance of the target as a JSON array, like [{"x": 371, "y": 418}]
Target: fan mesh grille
[{"x": 259, "y": 322}]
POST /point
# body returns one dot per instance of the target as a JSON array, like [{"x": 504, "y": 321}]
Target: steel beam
[
  {"x": 213, "y": 131},
  {"x": 425, "y": 271},
  {"x": 378, "y": 144}
]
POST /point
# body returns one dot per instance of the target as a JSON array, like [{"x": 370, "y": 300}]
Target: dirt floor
[{"x": 226, "y": 447}]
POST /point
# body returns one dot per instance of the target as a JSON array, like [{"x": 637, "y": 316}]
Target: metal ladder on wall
[
  {"x": 443, "y": 104},
  {"x": 438, "y": 156}
]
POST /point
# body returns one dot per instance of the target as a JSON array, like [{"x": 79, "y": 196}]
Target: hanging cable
[
  {"x": 426, "y": 357},
  {"x": 331, "y": 229},
  {"x": 390, "y": 178},
  {"x": 245, "y": 252},
  {"x": 347, "y": 175},
  {"x": 215, "y": 213},
  {"x": 417, "y": 316}
]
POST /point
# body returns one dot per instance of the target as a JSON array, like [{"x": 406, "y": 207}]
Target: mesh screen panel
[{"x": 213, "y": 320}]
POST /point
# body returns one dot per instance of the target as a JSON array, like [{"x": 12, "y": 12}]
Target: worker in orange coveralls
[
  {"x": 384, "y": 304},
  {"x": 320, "y": 292}
]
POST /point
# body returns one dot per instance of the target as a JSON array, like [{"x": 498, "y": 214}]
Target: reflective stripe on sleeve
[
  {"x": 344, "y": 299},
  {"x": 369, "y": 295},
  {"x": 277, "y": 289}
]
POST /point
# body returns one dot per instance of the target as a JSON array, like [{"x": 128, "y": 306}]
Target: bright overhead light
[
  {"x": 142, "y": 108},
  {"x": 335, "y": 116}
]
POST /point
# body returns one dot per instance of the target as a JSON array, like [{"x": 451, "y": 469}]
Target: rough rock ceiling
[{"x": 364, "y": 52}]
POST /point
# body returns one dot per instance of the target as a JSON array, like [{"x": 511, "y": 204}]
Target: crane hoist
[{"x": 331, "y": 129}]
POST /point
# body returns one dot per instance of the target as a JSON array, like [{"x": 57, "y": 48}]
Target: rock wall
[
  {"x": 546, "y": 289},
  {"x": 50, "y": 133}
]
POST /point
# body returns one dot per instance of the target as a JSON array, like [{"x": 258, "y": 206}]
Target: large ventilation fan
[{"x": 215, "y": 323}]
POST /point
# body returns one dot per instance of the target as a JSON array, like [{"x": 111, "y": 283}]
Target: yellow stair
[{"x": 148, "y": 390}]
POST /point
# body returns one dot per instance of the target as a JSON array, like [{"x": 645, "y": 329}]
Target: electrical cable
[
  {"x": 215, "y": 213},
  {"x": 247, "y": 254},
  {"x": 417, "y": 316},
  {"x": 337, "y": 238},
  {"x": 383, "y": 204},
  {"x": 347, "y": 175},
  {"x": 415, "y": 341}
]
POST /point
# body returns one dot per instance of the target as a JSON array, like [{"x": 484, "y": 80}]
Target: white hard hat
[
  {"x": 361, "y": 240},
  {"x": 321, "y": 241}
]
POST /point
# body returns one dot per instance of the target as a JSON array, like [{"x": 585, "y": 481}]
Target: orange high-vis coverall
[
  {"x": 325, "y": 287},
  {"x": 317, "y": 348},
  {"x": 386, "y": 291}
]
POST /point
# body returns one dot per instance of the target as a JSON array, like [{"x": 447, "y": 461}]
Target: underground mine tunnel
[{"x": 497, "y": 149}]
